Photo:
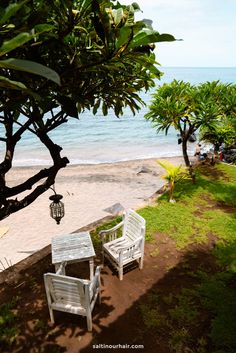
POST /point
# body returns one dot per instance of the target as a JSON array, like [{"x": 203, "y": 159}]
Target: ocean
[{"x": 98, "y": 139}]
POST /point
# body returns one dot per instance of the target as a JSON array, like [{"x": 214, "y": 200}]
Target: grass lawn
[
  {"x": 191, "y": 306},
  {"x": 204, "y": 211}
]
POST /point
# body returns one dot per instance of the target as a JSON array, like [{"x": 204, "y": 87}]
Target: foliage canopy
[
  {"x": 102, "y": 56},
  {"x": 190, "y": 108}
]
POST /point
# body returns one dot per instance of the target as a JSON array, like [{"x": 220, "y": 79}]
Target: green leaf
[
  {"x": 31, "y": 67},
  {"x": 124, "y": 35},
  {"x": 15, "y": 42},
  {"x": 147, "y": 36},
  {"x": 6, "y": 83},
  {"x": 117, "y": 15},
  {"x": 6, "y": 28},
  {"x": 104, "y": 109},
  {"x": 69, "y": 106},
  {"x": 10, "y": 11},
  {"x": 43, "y": 27},
  {"x": 85, "y": 6},
  {"x": 23, "y": 38},
  {"x": 165, "y": 37},
  {"x": 96, "y": 106},
  {"x": 10, "y": 84},
  {"x": 47, "y": 103},
  {"x": 136, "y": 6}
]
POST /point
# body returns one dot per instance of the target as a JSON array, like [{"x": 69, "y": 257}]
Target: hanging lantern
[{"x": 57, "y": 210}]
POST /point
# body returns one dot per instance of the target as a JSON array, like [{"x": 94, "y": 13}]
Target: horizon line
[{"x": 199, "y": 67}]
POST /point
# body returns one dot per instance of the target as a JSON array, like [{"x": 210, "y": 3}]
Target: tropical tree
[
  {"x": 174, "y": 174},
  {"x": 225, "y": 131},
  {"x": 103, "y": 57},
  {"x": 190, "y": 109}
]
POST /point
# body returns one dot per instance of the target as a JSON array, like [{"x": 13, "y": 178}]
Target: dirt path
[{"x": 120, "y": 319}]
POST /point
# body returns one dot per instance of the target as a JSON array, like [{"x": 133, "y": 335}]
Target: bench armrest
[{"x": 111, "y": 233}]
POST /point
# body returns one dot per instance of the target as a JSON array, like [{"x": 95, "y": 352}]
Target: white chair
[
  {"x": 72, "y": 295},
  {"x": 122, "y": 250}
]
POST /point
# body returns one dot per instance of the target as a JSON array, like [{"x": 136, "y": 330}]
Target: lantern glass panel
[{"x": 57, "y": 210}]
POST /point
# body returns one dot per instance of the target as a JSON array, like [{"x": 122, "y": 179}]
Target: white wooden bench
[{"x": 121, "y": 251}]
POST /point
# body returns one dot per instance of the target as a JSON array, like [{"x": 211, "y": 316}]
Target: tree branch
[
  {"x": 29, "y": 183},
  {"x": 11, "y": 206},
  {"x": 8, "y": 206}
]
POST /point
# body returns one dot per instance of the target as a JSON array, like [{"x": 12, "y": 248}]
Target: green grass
[
  {"x": 185, "y": 221},
  {"x": 219, "y": 297},
  {"x": 177, "y": 221},
  {"x": 184, "y": 312},
  {"x": 201, "y": 209},
  {"x": 8, "y": 322},
  {"x": 230, "y": 170},
  {"x": 95, "y": 234}
]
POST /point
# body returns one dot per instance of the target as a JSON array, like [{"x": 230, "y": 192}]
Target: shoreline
[
  {"x": 71, "y": 164},
  {"x": 88, "y": 191}
]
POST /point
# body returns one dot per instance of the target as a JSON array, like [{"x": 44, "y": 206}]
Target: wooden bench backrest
[
  {"x": 134, "y": 225},
  {"x": 68, "y": 290}
]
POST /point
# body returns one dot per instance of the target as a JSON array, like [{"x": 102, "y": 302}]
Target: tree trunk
[
  {"x": 186, "y": 159},
  {"x": 171, "y": 191},
  {"x": 184, "y": 150}
]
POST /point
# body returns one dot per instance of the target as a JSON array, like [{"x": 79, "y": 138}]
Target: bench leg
[
  {"x": 91, "y": 269},
  {"x": 51, "y": 315},
  {"x": 121, "y": 273},
  {"x": 141, "y": 263},
  {"x": 89, "y": 322}
]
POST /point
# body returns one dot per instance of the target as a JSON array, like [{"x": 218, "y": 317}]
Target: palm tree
[{"x": 173, "y": 175}]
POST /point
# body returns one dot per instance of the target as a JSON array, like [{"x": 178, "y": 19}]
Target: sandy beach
[{"x": 88, "y": 190}]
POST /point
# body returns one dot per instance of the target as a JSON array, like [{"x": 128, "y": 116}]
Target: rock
[
  {"x": 114, "y": 209},
  {"x": 143, "y": 169}
]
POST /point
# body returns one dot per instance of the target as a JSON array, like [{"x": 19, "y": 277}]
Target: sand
[{"x": 88, "y": 190}]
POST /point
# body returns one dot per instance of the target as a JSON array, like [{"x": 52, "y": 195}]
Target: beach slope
[{"x": 88, "y": 191}]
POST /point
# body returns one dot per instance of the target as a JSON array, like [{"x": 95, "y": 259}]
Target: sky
[{"x": 207, "y": 29}]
